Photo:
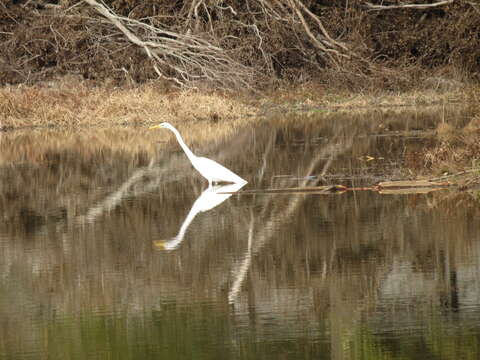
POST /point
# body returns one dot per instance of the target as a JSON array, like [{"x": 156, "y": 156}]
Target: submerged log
[
  {"x": 385, "y": 187},
  {"x": 407, "y": 191},
  {"x": 309, "y": 189}
]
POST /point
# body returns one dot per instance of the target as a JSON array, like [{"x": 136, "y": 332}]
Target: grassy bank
[
  {"x": 72, "y": 102},
  {"x": 76, "y": 103}
]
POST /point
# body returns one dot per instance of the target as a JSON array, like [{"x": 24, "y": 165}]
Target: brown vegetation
[
  {"x": 457, "y": 147},
  {"x": 72, "y": 102},
  {"x": 242, "y": 43}
]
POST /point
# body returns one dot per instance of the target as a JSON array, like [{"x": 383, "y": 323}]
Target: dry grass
[
  {"x": 312, "y": 96},
  {"x": 71, "y": 102},
  {"x": 458, "y": 147},
  {"x": 74, "y": 103}
]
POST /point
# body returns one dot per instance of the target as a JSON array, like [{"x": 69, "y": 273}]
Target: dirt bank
[{"x": 353, "y": 44}]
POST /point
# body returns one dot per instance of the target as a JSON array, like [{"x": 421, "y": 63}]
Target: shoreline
[{"x": 68, "y": 103}]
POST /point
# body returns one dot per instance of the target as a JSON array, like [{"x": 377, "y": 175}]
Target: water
[{"x": 110, "y": 248}]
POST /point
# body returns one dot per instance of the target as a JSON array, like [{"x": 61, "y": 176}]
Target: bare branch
[
  {"x": 320, "y": 25},
  {"x": 475, "y": 6},
  {"x": 187, "y": 57},
  {"x": 311, "y": 36},
  {"x": 408, "y": 6}
]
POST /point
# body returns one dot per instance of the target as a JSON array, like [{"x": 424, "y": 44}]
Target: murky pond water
[{"x": 113, "y": 247}]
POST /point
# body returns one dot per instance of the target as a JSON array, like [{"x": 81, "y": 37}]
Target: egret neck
[{"x": 191, "y": 156}]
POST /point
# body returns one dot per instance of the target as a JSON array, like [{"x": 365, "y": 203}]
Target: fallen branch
[
  {"x": 411, "y": 184},
  {"x": 303, "y": 189},
  {"x": 475, "y": 6},
  {"x": 322, "y": 28},
  {"x": 182, "y": 58},
  {"x": 323, "y": 41},
  {"x": 408, "y": 6}
]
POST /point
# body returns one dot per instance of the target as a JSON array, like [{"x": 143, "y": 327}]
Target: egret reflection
[{"x": 210, "y": 198}]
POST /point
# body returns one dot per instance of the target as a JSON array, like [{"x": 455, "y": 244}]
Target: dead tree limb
[
  {"x": 331, "y": 41},
  {"x": 333, "y": 49},
  {"x": 408, "y": 6},
  {"x": 183, "y": 58},
  {"x": 475, "y": 6},
  {"x": 312, "y": 37}
]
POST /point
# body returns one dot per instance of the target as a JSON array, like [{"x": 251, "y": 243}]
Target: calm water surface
[{"x": 112, "y": 247}]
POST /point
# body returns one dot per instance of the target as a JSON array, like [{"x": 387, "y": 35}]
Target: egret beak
[
  {"x": 154, "y": 127},
  {"x": 159, "y": 244}
]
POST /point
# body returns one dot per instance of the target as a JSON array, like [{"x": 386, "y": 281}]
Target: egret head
[
  {"x": 165, "y": 125},
  {"x": 159, "y": 244}
]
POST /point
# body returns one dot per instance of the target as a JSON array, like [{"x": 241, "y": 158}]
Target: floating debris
[
  {"x": 412, "y": 184},
  {"x": 399, "y": 187},
  {"x": 309, "y": 189}
]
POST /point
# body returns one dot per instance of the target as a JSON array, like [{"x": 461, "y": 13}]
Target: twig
[
  {"x": 408, "y": 6},
  {"x": 312, "y": 37},
  {"x": 187, "y": 57},
  {"x": 322, "y": 28},
  {"x": 474, "y": 6}
]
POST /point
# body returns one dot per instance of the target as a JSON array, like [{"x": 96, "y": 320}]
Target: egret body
[{"x": 209, "y": 169}]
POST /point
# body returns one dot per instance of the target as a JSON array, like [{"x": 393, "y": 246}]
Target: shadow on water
[{"x": 342, "y": 276}]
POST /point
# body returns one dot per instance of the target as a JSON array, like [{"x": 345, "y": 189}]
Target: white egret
[
  {"x": 209, "y": 169},
  {"x": 213, "y": 196}
]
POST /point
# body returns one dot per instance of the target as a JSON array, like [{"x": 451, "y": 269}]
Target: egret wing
[{"x": 213, "y": 170}]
